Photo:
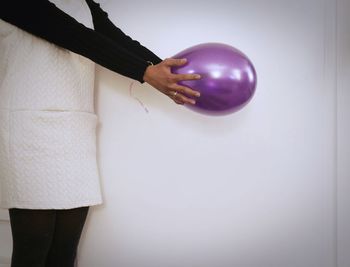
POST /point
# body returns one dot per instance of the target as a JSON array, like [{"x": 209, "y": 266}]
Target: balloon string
[{"x": 138, "y": 100}]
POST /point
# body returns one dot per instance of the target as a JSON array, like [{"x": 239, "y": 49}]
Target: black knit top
[{"x": 107, "y": 45}]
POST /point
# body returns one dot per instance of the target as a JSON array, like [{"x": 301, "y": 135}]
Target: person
[{"x": 48, "y": 168}]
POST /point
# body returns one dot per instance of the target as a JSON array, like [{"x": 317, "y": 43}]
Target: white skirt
[{"x": 47, "y": 125}]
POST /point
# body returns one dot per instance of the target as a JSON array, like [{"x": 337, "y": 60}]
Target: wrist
[{"x": 146, "y": 75}]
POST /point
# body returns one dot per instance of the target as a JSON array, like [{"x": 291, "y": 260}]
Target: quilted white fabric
[{"x": 47, "y": 122}]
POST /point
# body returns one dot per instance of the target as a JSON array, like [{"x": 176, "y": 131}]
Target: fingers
[
  {"x": 180, "y": 98},
  {"x": 179, "y": 102},
  {"x": 173, "y": 79},
  {"x": 182, "y": 94},
  {"x": 183, "y": 99},
  {"x": 175, "y": 62},
  {"x": 167, "y": 82},
  {"x": 186, "y": 77},
  {"x": 185, "y": 90}
]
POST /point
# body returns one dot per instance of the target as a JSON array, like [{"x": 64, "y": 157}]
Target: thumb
[{"x": 174, "y": 62}]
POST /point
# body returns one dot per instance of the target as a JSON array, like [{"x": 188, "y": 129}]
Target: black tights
[{"x": 46, "y": 238}]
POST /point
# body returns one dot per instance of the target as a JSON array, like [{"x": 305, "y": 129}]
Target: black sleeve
[
  {"x": 105, "y": 26},
  {"x": 43, "y": 19}
]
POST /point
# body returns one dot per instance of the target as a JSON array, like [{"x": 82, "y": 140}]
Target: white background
[{"x": 264, "y": 187}]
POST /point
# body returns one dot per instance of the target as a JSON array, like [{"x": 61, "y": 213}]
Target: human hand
[{"x": 161, "y": 78}]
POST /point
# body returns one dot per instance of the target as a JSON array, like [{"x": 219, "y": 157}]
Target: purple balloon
[{"x": 228, "y": 78}]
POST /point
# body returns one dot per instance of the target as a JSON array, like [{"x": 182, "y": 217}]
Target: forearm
[
  {"x": 45, "y": 20},
  {"x": 105, "y": 26}
]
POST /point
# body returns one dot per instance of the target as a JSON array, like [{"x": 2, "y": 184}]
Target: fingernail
[
  {"x": 193, "y": 102},
  {"x": 183, "y": 60},
  {"x": 197, "y": 76},
  {"x": 198, "y": 94}
]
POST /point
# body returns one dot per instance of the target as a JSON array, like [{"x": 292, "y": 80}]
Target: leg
[
  {"x": 68, "y": 228},
  {"x": 32, "y": 233}
]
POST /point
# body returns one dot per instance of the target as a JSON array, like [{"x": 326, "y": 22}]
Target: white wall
[
  {"x": 343, "y": 126},
  {"x": 254, "y": 189}
]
